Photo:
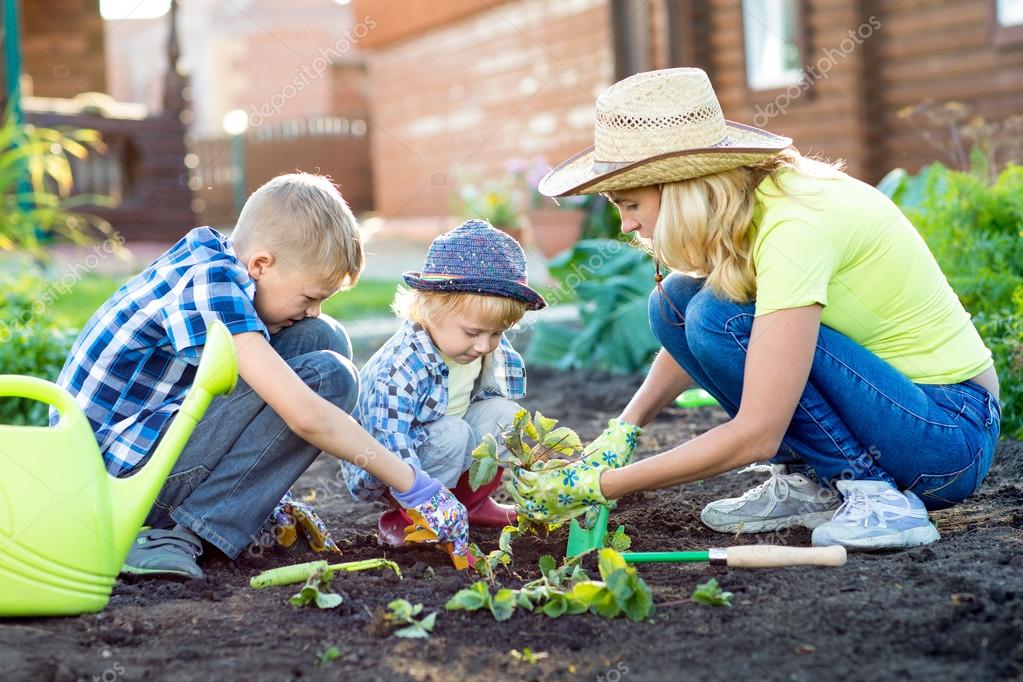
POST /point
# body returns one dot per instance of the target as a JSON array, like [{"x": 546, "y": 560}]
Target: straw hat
[{"x": 656, "y": 127}]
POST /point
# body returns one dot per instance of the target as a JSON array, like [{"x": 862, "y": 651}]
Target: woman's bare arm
[
  {"x": 665, "y": 380},
  {"x": 778, "y": 364}
]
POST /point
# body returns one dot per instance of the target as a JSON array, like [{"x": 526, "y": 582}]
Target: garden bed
[{"x": 950, "y": 611}]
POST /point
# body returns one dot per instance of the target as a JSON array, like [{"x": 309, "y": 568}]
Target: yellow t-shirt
[
  {"x": 845, "y": 245},
  {"x": 461, "y": 379}
]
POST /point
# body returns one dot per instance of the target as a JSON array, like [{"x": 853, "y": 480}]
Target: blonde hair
[
  {"x": 303, "y": 220},
  {"x": 704, "y": 227},
  {"x": 430, "y": 307}
]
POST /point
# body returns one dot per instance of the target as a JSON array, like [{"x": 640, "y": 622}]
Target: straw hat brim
[
  {"x": 746, "y": 146},
  {"x": 486, "y": 286}
]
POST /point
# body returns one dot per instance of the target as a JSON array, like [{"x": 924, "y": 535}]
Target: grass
[{"x": 369, "y": 298}]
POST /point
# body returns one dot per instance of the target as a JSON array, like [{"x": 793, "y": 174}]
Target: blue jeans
[
  {"x": 858, "y": 418},
  {"x": 447, "y": 452},
  {"x": 242, "y": 457}
]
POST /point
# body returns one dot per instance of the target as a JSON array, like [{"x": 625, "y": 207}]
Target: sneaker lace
[
  {"x": 777, "y": 486},
  {"x": 860, "y": 507}
]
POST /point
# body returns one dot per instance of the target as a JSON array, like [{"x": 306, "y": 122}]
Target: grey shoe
[
  {"x": 782, "y": 501},
  {"x": 876, "y": 516},
  {"x": 171, "y": 553}
]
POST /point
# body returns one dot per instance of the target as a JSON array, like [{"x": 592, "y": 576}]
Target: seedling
[
  {"x": 711, "y": 594},
  {"x": 403, "y": 612},
  {"x": 566, "y": 589},
  {"x": 527, "y": 655},
  {"x": 619, "y": 541},
  {"x": 317, "y": 591},
  {"x": 296, "y": 573},
  {"x": 328, "y": 655},
  {"x": 530, "y": 442}
]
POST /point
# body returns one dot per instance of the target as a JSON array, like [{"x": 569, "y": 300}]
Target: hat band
[
  {"x": 609, "y": 166},
  {"x": 438, "y": 277}
]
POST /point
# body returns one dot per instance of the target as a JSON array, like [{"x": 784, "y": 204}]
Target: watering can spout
[{"x": 132, "y": 497}]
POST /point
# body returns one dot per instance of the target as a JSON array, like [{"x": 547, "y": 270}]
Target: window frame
[{"x": 802, "y": 47}]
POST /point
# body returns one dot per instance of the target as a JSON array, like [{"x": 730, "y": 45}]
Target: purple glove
[{"x": 444, "y": 515}]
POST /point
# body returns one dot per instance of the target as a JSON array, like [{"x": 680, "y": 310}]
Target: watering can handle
[{"x": 18, "y": 386}]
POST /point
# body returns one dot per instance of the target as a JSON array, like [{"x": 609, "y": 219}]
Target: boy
[
  {"x": 448, "y": 376},
  {"x": 295, "y": 244}
]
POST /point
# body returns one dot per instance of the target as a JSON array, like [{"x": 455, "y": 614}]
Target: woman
[{"x": 807, "y": 304}]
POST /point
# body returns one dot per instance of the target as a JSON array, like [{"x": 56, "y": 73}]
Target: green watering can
[{"x": 66, "y": 525}]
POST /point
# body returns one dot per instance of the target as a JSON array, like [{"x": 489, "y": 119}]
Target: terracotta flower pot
[{"x": 555, "y": 229}]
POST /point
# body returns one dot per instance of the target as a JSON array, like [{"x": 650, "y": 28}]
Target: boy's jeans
[
  {"x": 242, "y": 457},
  {"x": 447, "y": 452},
  {"x": 858, "y": 418}
]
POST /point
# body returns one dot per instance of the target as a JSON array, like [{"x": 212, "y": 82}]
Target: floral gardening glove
[
  {"x": 557, "y": 493},
  {"x": 290, "y": 517},
  {"x": 615, "y": 447},
  {"x": 437, "y": 516}
]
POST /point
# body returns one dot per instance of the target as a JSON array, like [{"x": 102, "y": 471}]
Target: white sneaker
[
  {"x": 876, "y": 516},
  {"x": 782, "y": 501}
]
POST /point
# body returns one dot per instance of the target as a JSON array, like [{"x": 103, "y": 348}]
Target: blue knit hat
[{"x": 476, "y": 258}]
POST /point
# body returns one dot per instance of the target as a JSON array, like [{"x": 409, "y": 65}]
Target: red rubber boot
[
  {"x": 392, "y": 524},
  {"x": 483, "y": 511}
]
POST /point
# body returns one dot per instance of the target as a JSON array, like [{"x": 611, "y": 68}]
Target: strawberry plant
[
  {"x": 529, "y": 441},
  {"x": 317, "y": 591},
  {"x": 403, "y": 612},
  {"x": 565, "y": 589},
  {"x": 711, "y": 594}
]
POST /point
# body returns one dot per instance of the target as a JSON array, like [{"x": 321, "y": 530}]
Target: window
[
  {"x": 1009, "y": 12},
  {"x": 773, "y": 57}
]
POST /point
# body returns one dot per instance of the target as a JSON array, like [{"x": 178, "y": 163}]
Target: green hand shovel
[{"x": 65, "y": 524}]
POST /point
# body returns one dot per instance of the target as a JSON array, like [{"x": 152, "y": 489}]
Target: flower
[{"x": 571, "y": 478}]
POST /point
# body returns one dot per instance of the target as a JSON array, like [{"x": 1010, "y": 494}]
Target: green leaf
[
  {"x": 470, "y": 599},
  {"x": 563, "y": 440},
  {"x": 486, "y": 449},
  {"x": 547, "y": 564},
  {"x": 556, "y": 607},
  {"x": 641, "y": 603},
  {"x": 482, "y": 472},
  {"x": 710, "y": 594},
  {"x": 543, "y": 425},
  {"x": 619, "y": 583},
  {"x": 609, "y": 561},
  {"x": 619, "y": 541},
  {"x": 503, "y": 604},
  {"x": 328, "y": 600},
  {"x": 328, "y": 655}
]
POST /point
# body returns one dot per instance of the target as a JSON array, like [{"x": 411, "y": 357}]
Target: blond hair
[
  {"x": 704, "y": 227},
  {"x": 303, "y": 220},
  {"x": 429, "y": 307}
]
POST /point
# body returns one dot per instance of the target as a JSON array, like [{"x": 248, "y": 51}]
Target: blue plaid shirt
[
  {"x": 404, "y": 386},
  {"x": 132, "y": 364}
]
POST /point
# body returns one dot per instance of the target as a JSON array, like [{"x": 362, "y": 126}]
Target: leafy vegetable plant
[
  {"x": 403, "y": 612},
  {"x": 328, "y": 655},
  {"x": 317, "y": 591},
  {"x": 711, "y": 594},
  {"x": 565, "y": 589}
]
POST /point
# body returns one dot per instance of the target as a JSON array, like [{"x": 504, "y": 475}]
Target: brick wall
[
  {"x": 62, "y": 47},
  {"x": 517, "y": 79}
]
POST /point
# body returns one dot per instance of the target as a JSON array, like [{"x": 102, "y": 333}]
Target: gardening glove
[
  {"x": 290, "y": 517},
  {"x": 559, "y": 492},
  {"x": 615, "y": 447},
  {"x": 436, "y": 512}
]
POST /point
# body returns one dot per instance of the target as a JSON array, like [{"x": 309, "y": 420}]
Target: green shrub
[
  {"x": 974, "y": 227},
  {"x": 612, "y": 282},
  {"x": 30, "y": 344}
]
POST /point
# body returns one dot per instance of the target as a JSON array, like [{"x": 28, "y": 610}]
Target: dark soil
[{"x": 950, "y": 611}]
